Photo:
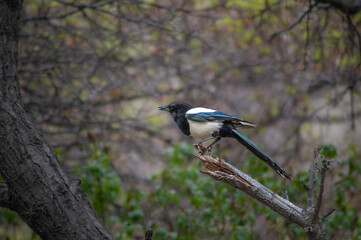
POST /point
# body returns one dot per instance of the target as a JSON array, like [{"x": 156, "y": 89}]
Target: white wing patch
[
  {"x": 199, "y": 110},
  {"x": 203, "y": 130}
]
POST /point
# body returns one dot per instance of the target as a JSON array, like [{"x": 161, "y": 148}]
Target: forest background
[{"x": 92, "y": 74}]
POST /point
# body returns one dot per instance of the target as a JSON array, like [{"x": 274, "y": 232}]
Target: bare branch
[
  {"x": 149, "y": 234},
  {"x": 353, "y": 31},
  {"x": 348, "y": 7},
  {"x": 320, "y": 188},
  {"x": 352, "y": 103},
  {"x": 308, "y": 218},
  {"x": 224, "y": 172},
  {"x": 285, "y": 192},
  {"x": 312, "y": 180},
  {"x": 327, "y": 214},
  {"x": 308, "y": 11}
]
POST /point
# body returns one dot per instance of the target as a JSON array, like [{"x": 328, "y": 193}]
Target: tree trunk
[{"x": 48, "y": 200}]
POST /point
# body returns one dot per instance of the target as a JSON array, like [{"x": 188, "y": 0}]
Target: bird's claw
[{"x": 202, "y": 150}]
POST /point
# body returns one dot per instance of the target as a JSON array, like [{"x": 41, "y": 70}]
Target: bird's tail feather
[
  {"x": 244, "y": 124},
  {"x": 260, "y": 154}
]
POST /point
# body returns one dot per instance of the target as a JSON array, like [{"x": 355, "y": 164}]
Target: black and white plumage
[{"x": 206, "y": 124}]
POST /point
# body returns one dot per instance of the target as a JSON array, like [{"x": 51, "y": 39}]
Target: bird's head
[{"x": 176, "y": 108}]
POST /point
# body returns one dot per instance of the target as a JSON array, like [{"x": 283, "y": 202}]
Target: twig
[
  {"x": 308, "y": 11},
  {"x": 327, "y": 214},
  {"x": 285, "y": 192},
  {"x": 305, "y": 62},
  {"x": 320, "y": 188},
  {"x": 312, "y": 180},
  {"x": 352, "y": 107},
  {"x": 148, "y": 234},
  {"x": 305, "y": 186},
  {"x": 353, "y": 31}
]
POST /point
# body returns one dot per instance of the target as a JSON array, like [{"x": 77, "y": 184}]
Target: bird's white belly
[{"x": 202, "y": 130}]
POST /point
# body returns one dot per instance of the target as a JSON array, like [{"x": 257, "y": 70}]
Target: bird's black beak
[{"x": 164, "y": 108}]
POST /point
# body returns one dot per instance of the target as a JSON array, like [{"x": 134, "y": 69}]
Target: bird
[{"x": 207, "y": 124}]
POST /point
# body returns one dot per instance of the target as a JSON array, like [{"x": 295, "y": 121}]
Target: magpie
[{"x": 206, "y": 124}]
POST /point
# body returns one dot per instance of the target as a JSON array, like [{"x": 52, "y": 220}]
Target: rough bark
[{"x": 45, "y": 197}]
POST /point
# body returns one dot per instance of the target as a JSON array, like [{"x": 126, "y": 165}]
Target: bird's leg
[
  {"x": 202, "y": 150},
  {"x": 217, "y": 138},
  {"x": 206, "y": 139},
  {"x": 214, "y": 135},
  {"x": 214, "y": 142}
]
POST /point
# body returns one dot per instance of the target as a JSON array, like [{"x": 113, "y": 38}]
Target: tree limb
[
  {"x": 347, "y": 6},
  {"x": 224, "y": 172},
  {"x": 312, "y": 178},
  {"x": 320, "y": 188},
  {"x": 308, "y": 217},
  {"x": 38, "y": 189}
]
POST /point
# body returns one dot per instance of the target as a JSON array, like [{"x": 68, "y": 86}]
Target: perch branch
[
  {"x": 224, "y": 172},
  {"x": 308, "y": 218}
]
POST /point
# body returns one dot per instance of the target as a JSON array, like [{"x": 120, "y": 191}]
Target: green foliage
[
  {"x": 328, "y": 150},
  {"x": 132, "y": 215},
  {"x": 100, "y": 182},
  {"x": 197, "y": 207},
  {"x": 345, "y": 223},
  {"x": 201, "y": 207},
  {"x": 8, "y": 216},
  {"x": 185, "y": 204},
  {"x": 162, "y": 48}
]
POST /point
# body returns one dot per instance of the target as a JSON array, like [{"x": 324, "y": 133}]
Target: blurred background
[{"x": 92, "y": 74}]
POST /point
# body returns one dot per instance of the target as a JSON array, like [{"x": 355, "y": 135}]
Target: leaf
[{"x": 329, "y": 151}]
